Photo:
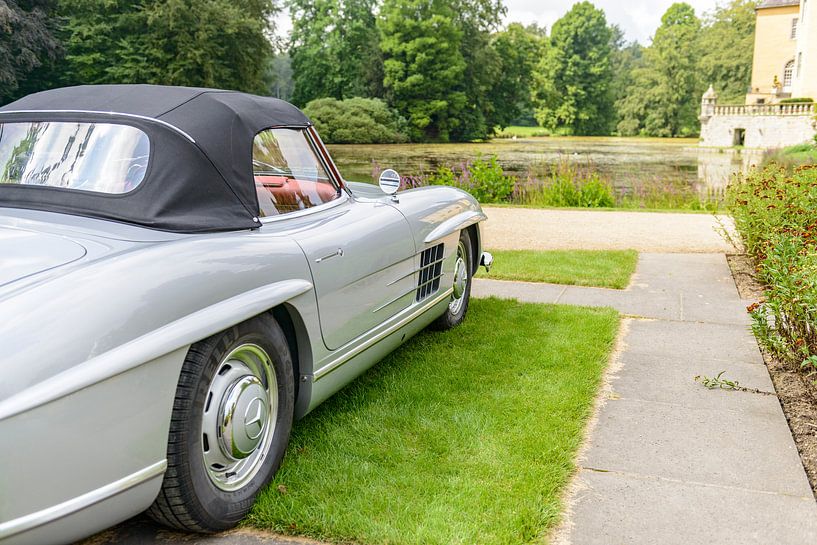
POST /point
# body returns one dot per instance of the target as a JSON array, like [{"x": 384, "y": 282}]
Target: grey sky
[{"x": 638, "y": 18}]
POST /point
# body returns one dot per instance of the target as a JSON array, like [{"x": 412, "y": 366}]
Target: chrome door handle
[{"x": 338, "y": 253}]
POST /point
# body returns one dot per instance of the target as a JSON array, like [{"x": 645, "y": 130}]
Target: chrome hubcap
[
  {"x": 460, "y": 280},
  {"x": 239, "y": 417}
]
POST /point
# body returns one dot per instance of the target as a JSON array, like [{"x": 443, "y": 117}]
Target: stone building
[{"x": 784, "y": 67}]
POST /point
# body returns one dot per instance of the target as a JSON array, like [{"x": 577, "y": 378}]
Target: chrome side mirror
[{"x": 389, "y": 181}]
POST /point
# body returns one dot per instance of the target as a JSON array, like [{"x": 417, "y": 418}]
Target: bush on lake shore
[
  {"x": 562, "y": 184},
  {"x": 775, "y": 215},
  {"x": 356, "y": 121}
]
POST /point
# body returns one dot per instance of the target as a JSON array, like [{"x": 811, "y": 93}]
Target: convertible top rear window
[{"x": 100, "y": 157}]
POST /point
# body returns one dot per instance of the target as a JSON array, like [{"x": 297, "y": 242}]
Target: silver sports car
[{"x": 184, "y": 272}]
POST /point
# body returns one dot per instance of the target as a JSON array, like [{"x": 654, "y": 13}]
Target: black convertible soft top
[{"x": 199, "y": 177}]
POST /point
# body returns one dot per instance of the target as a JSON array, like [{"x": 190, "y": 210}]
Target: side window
[{"x": 288, "y": 174}]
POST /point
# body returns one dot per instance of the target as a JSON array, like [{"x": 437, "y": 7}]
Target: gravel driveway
[{"x": 537, "y": 229}]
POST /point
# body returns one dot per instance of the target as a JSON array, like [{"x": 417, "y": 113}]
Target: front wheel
[
  {"x": 229, "y": 428},
  {"x": 461, "y": 296}
]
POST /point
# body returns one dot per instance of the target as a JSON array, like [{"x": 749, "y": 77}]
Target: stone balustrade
[{"x": 798, "y": 108}]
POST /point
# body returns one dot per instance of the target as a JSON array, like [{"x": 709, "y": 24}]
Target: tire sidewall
[{"x": 220, "y": 509}]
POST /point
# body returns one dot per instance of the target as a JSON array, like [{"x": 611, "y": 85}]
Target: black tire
[
  {"x": 455, "y": 313},
  {"x": 190, "y": 500}
]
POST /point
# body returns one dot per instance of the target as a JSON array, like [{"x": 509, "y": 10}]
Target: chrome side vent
[{"x": 431, "y": 269}]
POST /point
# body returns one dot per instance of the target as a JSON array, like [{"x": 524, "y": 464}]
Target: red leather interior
[{"x": 286, "y": 194}]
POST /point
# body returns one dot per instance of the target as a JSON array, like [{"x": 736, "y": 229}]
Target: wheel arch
[
  {"x": 297, "y": 337},
  {"x": 476, "y": 245}
]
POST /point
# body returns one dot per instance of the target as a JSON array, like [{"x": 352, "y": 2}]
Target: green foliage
[
  {"x": 575, "y": 74},
  {"x": 726, "y": 47},
  {"x": 774, "y": 212},
  {"x": 356, "y": 121},
  {"x": 625, "y": 58},
  {"x": 334, "y": 49},
  {"x": 519, "y": 51},
  {"x": 439, "y": 65},
  {"x": 423, "y": 65},
  {"x": 666, "y": 88},
  {"x": 793, "y": 156},
  {"x": 566, "y": 184},
  {"x": 206, "y": 43},
  {"x": 796, "y": 100},
  {"x": 278, "y": 76},
  {"x": 28, "y": 41},
  {"x": 483, "y": 179}
]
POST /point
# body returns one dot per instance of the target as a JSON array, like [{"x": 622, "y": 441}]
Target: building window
[
  {"x": 788, "y": 72},
  {"x": 794, "y": 28}
]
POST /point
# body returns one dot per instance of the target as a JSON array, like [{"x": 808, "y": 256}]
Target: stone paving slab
[
  {"x": 617, "y": 509},
  {"x": 667, "y": 380},
  {"x": 691, "y": 342},
  {"x": 748, "y": 447}
]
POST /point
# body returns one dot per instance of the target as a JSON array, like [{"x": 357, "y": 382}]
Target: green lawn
[
  {"x": 467, "y": 436},
  {"x": 604, "y": 269}
]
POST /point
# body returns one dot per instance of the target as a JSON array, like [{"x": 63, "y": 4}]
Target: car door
[
  {"x": 360, "y": 252},
  {"x": 362, "y": 261}
]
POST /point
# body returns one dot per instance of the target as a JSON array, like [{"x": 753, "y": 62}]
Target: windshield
[{"x": 100, "y": 157}]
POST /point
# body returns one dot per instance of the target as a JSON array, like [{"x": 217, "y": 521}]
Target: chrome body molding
[
  {"x": 163, "y": 340},
  {"x": 455, "y": 224},
  {"x": 359, "y": 345},
  {"x": 68, "y": 507}
]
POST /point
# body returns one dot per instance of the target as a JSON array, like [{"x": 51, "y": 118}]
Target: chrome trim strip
[
  {"x": 342, "y": 198},
  {"x": 356, "y": 346},
  {"x": 412, "y": 290},
  {"x": 69, "y": 507},
  {"x": 396, "y": 280},
  {"x": 134, "y": 116},
  {"x": 152, "y": 345},
  {"x": 457, "y": 223}
]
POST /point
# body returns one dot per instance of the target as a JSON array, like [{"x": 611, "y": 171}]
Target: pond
[{"x": 625, "y": 162}]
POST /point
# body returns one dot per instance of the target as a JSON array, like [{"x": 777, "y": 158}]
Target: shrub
[
  {"x": 565, "y": 184},
  {"x": 484, "y": 179},
  {"x": 356, "y": 121},
  {"x": 795, "y": 100},
  {"x": 775, "y": 215},
  {"x": 792, "y": 156}
]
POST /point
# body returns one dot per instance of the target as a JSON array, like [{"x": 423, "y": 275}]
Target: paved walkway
[
  {"x": 537, "y": 229},
  {"x": 668, "y": 461}
]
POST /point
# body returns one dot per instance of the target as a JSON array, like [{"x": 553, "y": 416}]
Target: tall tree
[
  {"x": 424, "y": 65},
  {"x": 665, "y": 94},
  {"x": 574, "y": 76},
  {"x": 624, "y": 58},
  {"x": 334, "y": 49},
  {"x": 209, "y": 43},
  {"x": 519, "y": 50},
  {"x": 27, "y": 42},
  {"x": 477, "y": 20},
  {"x": 279, "y": 76},
  {"x": 727, "y": 45}
]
